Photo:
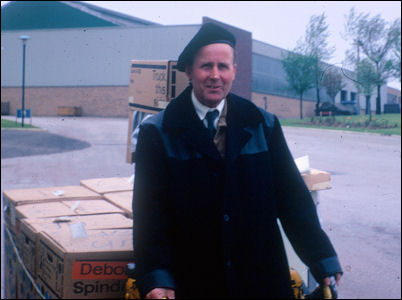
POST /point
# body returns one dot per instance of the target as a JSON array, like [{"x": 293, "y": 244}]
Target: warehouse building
[{"x": 78, "y": 56}]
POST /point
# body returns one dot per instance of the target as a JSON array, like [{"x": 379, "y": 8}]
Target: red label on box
[{"x": 99, "y": 270}]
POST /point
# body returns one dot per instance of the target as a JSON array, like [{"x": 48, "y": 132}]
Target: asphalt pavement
[
  {"x": 17, "y": 143},
  {"x": 361, "y": 213}
]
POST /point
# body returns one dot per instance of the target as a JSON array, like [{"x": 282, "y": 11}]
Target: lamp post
[{"x": 24, "y": 39}]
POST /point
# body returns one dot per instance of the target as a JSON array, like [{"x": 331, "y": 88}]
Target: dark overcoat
[{"x": 207, "y": 226}]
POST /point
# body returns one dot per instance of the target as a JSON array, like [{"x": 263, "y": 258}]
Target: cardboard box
[
  {"x": 43, "y": 210},
  {"x": 91, "y": 207},
  {"x": 31, "y": 227},
  {"x": 14, "y": 198},
  {"x": 122, "y": 200},
  {"x": 154, "y": 83},
  {"x": 65, "y": 208},
  {"x": 48, "y": 194},
  {"x": 26, "y": 240},
  {"x": 88, "y": 267},
  {"x": 91, "y": 222},
  {"x": 108, "y": 185},
  {"x": 18, "y": 285},
  {"x": 317, "y": 180}
]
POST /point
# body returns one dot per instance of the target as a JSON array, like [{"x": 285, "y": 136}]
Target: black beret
[{"x": 209, "y": 33}]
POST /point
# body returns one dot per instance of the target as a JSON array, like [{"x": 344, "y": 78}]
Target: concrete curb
[
  {"x": 26, "y": 129},
  {"x": 343, "y": 131}
]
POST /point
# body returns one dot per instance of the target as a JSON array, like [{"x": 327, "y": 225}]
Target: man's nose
[{"x": 214, "y": 73}]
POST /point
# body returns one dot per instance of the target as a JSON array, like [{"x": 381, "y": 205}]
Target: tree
[
  {"x": 375, "y": 40},
  {"x": 315, "y": 44},
  {"x": 299, "y": 70},
  {"x": 366, "y": 79},
  {"x": 332, "y": 81},
  {"x": 397, "y": 58}
]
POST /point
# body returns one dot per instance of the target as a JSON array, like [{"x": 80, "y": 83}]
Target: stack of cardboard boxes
[
  {"x": 152, "y": 85},
  {"x": 75, "y": 241},
  {"x": 70, "y": 240}
]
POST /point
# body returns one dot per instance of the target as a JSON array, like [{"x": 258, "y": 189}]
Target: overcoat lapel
[
  {"x": 236, "y": 139},
  {"x": 241, "y": 116}
]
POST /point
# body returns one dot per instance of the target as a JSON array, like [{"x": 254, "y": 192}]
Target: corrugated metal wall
[{"x": 87, "y": 57}]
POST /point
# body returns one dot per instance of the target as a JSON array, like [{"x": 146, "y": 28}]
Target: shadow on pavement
[{"x": 16, "y": 143}]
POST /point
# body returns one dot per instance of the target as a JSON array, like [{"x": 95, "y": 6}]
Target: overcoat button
[{"x": 226, "y": 218}]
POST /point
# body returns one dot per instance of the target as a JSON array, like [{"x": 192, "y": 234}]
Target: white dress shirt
[{"x": 202, "y": 109}]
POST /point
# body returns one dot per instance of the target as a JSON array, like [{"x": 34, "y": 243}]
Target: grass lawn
[
  {"x": 388, "y": 124},
  {"x": 11, "y": 124}
]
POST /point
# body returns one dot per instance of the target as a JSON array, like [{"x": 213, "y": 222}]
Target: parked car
[{"x": 330, "y": 109}]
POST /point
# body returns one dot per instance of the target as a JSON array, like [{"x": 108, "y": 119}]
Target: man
[{"x": 206, "y": 203}]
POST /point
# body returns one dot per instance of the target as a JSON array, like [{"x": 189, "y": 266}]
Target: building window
[
  {"x": 392, "y": 99},
  {"x": 344, "y": 96},
  {"x": 353, "y": 96}
]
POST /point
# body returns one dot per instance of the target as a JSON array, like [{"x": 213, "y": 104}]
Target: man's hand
[
  {"x": 329, "y": 289},
  {"x": 160, "y": 293},
  {"x": 327, "y": 281}
]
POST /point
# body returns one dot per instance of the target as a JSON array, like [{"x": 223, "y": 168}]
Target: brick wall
[
  {"x": 94, "y": 101},
  {"x": 283, "y": 107},
  {"x": 113, "y": 101}
]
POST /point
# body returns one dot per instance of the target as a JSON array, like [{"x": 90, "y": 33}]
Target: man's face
[{"x": 212, "y": 73}]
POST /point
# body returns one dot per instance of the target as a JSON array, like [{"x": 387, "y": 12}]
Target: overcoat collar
[
  {"x": 242, "y": 116},
  {"x": 180, "y": 117}
]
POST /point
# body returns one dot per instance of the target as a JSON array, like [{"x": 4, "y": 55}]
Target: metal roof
[
  {"x": 18, "y": 15},
  {"x": 110, "y": 15}
]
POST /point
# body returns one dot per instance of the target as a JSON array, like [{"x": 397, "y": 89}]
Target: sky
[{"x": 279, "y": 23}]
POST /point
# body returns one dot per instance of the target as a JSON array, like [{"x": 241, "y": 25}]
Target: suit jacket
[{"x": 207, "y": 226}]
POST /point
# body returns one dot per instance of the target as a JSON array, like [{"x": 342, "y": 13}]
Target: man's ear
[
  {"x": 188, "y": 72},
  {"x": 234, "y": 71}
]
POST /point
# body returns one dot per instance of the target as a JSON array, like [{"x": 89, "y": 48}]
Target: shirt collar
[{"x": 202, "y": 109}]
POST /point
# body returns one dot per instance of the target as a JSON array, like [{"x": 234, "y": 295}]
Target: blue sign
[{"x": 27, "y": 113}]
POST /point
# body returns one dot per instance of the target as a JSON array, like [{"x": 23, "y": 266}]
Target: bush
[{"x": 348, "y": 122}]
